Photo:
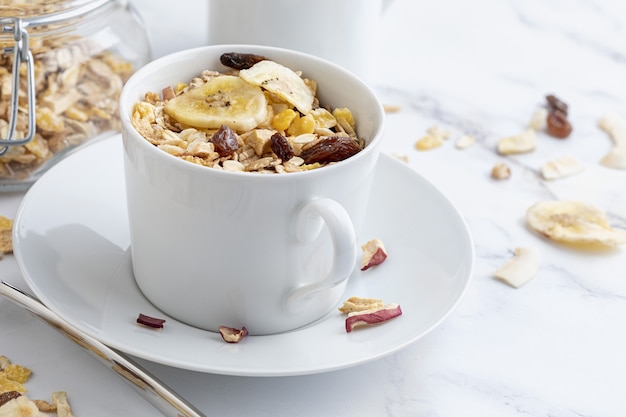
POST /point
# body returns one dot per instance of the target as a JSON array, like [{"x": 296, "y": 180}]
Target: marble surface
[{"x": 553, "y": 347}]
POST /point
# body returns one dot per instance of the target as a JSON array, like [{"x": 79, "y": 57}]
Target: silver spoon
[{"x": 158, "y": 394}]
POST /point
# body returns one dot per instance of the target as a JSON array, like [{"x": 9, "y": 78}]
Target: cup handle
[{"x": 309, "y": 222}]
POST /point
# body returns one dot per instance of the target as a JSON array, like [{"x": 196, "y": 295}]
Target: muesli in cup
[{"x": 259, "y": 116}]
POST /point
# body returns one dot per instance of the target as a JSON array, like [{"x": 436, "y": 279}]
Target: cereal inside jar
[{"x": 62, "y": 68}]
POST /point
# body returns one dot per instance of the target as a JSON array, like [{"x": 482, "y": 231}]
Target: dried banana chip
[{"x": 574, "y": 222}]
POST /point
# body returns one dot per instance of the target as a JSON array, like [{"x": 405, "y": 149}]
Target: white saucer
[{"x": 71, "y": 242}]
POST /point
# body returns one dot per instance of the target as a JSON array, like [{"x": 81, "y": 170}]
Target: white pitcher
[{"x": 345, "y": 32}]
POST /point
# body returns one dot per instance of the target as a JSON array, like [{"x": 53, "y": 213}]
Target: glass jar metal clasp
[{"x": 21, "y": 54}]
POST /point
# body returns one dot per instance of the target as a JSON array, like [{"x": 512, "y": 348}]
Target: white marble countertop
[{"x": 554, "y": 347}]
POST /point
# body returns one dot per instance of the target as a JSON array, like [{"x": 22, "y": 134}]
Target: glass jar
[{"x": 62, "y": 67}]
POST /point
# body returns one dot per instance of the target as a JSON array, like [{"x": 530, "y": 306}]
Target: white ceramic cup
[
  {"x": 343, "y": 31},
  {"x": 268, "y": 252}
]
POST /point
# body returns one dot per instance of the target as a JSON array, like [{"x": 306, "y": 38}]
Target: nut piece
[
  {"x": 231, "y": 334},
  {"x": 521, "y": 143},
  {"x": 372, "y": 316},
  {"x": 616, "y": 128},
  {"x": 521, "y": 269},
  {"x": 374, "y": 253},
  {"x": 500, "y": 171},
  {"x": 574, "y": 222},
  {"x": 259, "y": 140},
  {"x": 150, "y": 321},
  {"x": 561, "y": 167},
  {"x": 353, "y": 304}
]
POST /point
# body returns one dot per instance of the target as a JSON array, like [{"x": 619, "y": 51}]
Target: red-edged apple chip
[
  {"x": 232, "y": 335},
  {"x": 374, "y": 253},
  {"x": 372, "y": 316},
  {"x": 148, "y": 321}
]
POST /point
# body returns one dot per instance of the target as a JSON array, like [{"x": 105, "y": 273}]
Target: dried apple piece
[
  {"x": 353, "y": 304},
  {"x": 564, "y": 166},
  {"x": 374, "y": 253},
  {"x": 616, "y": 128},
  {"x": 465, "y": 141},
  {"x": 372, "y": 316},
  {"x": 152, "y": 322},
  {"x": 59, "y": 399},
  {"x": 523, "y": 142},
  {"x": 232, "y": 334},
  {"x": 538, "y": 119},
  {"x": 521, "y": 269}
]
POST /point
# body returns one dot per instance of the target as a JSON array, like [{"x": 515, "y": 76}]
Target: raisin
[
  {"x": 225, "y": 141},
  {"x": 240, "y": 61},
  {"x": 558, "y": 126},
  {"x": 332, "y": 149},
  {"x": 281, "y": 147},
  {"x": 555, "y": 104},
  {"x": 7, "y": 396}
]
